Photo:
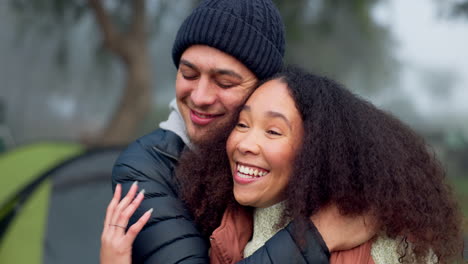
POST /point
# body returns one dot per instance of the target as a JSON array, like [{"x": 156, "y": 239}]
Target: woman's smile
[{"x": 246, "y": 174}]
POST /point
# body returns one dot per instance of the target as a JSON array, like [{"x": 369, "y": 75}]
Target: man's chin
[
  {"x": 198, "y": 137},
  {"x": 206, "y": 134}
]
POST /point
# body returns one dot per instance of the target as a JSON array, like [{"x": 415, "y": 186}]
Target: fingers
[
  {"x": 131, "y": 208},
  {"x": 136, "y": 228},
  {"x": 124, "y": 203},
  {"x": 115, "y": 242},
  {"x": 111, "y": 207}
]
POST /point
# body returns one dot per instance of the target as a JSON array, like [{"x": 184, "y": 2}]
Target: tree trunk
[
  {"x": 132, "y": 48},
  {"x": 135, "y": 102}
]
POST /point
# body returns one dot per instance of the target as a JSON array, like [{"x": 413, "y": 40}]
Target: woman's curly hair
[{"x": 353, "y": 155}]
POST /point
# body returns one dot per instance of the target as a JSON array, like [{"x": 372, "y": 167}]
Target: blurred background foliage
[{"x": 101, "y": 73}]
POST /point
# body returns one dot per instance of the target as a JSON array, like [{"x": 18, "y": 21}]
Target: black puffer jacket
[{"x": 170, "y": 235}]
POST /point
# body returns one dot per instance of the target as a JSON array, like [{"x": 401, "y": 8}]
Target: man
[{"x": 222, "y": 50}]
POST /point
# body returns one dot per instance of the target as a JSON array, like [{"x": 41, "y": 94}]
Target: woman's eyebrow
[{"x": 274, "y": 114}]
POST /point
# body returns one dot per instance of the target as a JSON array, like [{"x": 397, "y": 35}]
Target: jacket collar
[
  {"x": 170, "y": 145},
  {"x": 175, "y": 123}
]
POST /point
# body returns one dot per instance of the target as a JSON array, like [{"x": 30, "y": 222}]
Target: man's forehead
[
  {"x": 205, "y": 58},
  {"x": 212, "y": 69}
]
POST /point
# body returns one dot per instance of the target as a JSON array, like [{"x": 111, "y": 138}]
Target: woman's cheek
[{"x": 230, "y": 144}]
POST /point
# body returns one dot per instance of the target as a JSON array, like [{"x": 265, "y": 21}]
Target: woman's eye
[
  {"x": 274, "y": 133},
  {"x": 241, "y": 125}
]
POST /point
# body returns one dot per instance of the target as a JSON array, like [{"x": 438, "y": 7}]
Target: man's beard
[{"x": 219, "y": 129}]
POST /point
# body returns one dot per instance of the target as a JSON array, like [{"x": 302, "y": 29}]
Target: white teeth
[
  {"x": 246, "y": 172},
  {"x": 241, "y": 175}
]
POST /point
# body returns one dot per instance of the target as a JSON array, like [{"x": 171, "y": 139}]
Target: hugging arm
[
  {"x": 328, "y": 231},
  {"x": 285, "y": 247},
  {"x": 170, "y": 236}
]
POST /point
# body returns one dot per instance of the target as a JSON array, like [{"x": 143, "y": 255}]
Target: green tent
[
  {"x": 52, "y": 202},
  {"x": 22, "y": 241}
]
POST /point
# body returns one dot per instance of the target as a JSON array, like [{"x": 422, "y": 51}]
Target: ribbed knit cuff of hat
[{"x": 228, "y": 33}]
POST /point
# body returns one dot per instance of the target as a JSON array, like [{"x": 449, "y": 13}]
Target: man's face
[{"x": 210, "y": 86}]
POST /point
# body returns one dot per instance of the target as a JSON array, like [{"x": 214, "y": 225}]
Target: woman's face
[{"x": 263, "y": 145}]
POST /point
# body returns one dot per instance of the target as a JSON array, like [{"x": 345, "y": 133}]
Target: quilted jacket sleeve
[
  {"x": 283, "y": 247},
  {"x": 170, "y": 235}
]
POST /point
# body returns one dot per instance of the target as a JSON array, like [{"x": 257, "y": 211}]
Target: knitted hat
[{"x": 249, "y": 30}]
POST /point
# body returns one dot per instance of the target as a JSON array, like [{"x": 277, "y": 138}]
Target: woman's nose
[{"x": 249, "y": 144}]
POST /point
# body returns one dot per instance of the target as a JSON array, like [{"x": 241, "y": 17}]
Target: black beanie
[{"x": 252, "y": 31}]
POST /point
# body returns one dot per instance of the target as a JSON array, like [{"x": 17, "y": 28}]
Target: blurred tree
[
  {"x": 124, "y": 29},
  {"x": 452, "y": 147},
  {"x": 461, "y": 8},
  {"x": 439, "y": 81},
  {"x": 454, "y": 8},
  {"x": 131, "y": 47},
  {"x": 341, "y": 39},
  {"x": 456, "y": 142}
]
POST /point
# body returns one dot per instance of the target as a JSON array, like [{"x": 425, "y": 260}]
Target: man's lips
[{"x": 202, "y": 118}]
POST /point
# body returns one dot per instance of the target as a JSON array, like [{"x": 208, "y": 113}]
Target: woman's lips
[
  {"x": 246, "y": 174},
  {"x": 202, "y": 118}
]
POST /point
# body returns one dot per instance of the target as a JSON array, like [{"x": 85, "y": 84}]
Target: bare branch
[
  {"x": 138, "y": 26},
  {"x": 111, "y": 35}
]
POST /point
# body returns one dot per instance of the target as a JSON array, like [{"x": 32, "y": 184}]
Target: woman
[{"x": 304, "y": 143}]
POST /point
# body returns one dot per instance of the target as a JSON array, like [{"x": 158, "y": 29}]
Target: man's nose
[{"x": 204, "y": 94}]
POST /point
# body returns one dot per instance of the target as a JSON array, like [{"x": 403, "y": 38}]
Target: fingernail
[
  {"x": 150, "y": 211},
  {"x": 135, "y": 183},
  {"x": 142, "y": 192}
]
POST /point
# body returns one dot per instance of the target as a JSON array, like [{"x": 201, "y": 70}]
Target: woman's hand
[
  {"x": 343, "y": 232},
  {"x": 116, "y": 244}
]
